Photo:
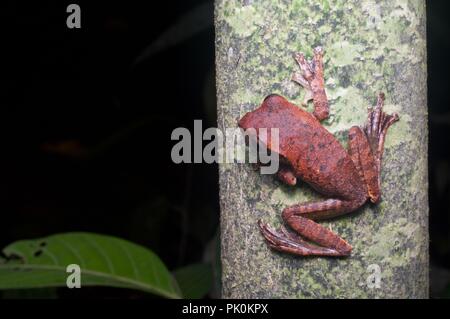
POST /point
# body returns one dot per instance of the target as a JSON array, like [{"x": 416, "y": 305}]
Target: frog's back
[{"x": 314, "y": 153}]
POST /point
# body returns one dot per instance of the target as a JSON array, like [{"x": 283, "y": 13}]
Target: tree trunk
[{"x": 370, "y": 46}]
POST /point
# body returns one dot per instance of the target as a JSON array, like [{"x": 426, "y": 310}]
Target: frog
[{"x": 346, "y": 178}]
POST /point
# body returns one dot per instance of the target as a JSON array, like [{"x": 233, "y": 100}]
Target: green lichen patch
[
  {"x": 395, "y": 243},
  {"x": 244, "y": 21},
  {"x": 344, "y": 53}
]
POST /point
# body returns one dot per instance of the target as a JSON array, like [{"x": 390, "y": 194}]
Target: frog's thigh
[{"x": 365, "y": 161}]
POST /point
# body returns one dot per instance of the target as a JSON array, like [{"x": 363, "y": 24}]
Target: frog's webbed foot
[
  {"x": 366, "y": 147},
  {"x": 288, "y": 242},
  {"x": 376, "y": 127},
  {"x": 311, "y": 78}
]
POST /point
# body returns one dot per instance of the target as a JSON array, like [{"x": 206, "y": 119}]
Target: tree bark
[{"x": 370, "y": 46}]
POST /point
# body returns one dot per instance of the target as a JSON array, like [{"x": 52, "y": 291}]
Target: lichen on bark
[{"x": 370, "y": 46}]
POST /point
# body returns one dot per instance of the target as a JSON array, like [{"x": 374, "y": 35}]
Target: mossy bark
[{"x": 370, "y": 46}]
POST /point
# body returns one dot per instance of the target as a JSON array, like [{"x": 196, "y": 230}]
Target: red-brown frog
[{"x": 348, "y": 178}]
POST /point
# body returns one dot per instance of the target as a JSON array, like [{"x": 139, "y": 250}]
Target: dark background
[{"x": 87, "y": 114}]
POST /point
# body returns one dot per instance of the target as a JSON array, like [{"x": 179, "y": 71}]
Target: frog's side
[{"x": 310, "y": 153}]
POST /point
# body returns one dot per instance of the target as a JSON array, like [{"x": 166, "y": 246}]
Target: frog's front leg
[
  {"x": 311, "y": 78},
  {"x": 287, "y": 176}
]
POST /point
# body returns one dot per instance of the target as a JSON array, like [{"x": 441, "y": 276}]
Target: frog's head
[
  {"x": 266, "y": 121},
  {"x": 264, "y": 126}
]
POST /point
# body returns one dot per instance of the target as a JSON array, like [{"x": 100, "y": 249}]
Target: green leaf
[
  {"x": 104, "y": 261},
  {"x": 194, "y": 280}
]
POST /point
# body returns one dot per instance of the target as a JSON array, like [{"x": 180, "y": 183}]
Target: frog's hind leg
[
  {"x": 298, "y": 218},
  {"x": 366, "y": 147}
]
